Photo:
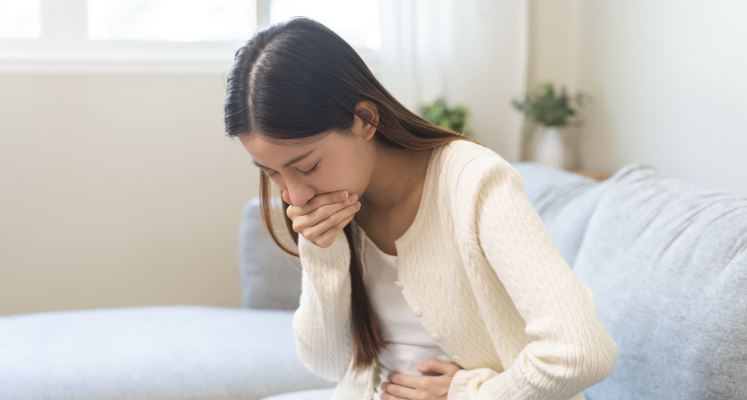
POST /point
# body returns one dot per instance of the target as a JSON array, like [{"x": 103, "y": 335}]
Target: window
[
  {"x": 20, "y": 19},
  {"x": 161, "y": 35},
  {"x": 355, "y": 21},
  {"x": 171, "y": 20}
]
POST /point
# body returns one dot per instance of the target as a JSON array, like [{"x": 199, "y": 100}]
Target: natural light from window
[
  {"x": 356, "y": 21},
  {"x": 162, "y": 35},
  {"x": 171, "y": 20},
  {"x": 20, "y": 19}
]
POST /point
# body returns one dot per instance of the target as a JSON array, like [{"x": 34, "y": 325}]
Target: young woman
[{"x": 427, "y": 274}]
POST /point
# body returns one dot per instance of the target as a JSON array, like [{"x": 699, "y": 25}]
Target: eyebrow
[{"x": 289, "y": 163}]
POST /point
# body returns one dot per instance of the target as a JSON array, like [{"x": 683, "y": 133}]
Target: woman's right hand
[{"x": 322, "y": 217}]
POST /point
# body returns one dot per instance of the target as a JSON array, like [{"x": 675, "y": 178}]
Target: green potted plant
[
  {"x": 550, "y": 113},
  {"x": 452, "y": 118}
]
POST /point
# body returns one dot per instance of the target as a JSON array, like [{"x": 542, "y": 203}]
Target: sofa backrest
[
  {"x": 564, "y": 200},
  {"x": 666, "y": 260},
  {"x": 270, "y": 277}
]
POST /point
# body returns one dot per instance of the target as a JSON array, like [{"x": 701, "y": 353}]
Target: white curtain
[{"x": 473, "y": 52}]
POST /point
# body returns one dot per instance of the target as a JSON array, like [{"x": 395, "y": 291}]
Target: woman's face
[{"x": 335, "y": 162}]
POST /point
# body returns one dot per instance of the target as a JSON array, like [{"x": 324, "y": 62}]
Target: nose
[{"x": 299, "y": 194}]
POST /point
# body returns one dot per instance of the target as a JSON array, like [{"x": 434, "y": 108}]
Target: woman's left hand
[{"x": 411, "y": 387}]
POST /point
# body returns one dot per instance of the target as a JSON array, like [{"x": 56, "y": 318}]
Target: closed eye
[
  {"x": 307, "y": 173},
  {"x": 311, "y": 171}
]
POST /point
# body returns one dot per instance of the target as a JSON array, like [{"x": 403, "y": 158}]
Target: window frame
[{"x": 64, "y": 46}]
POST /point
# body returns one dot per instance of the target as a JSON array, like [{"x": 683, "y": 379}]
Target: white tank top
[{"x": 407, "y": 342}]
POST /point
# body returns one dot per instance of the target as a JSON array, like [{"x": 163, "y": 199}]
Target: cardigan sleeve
[
  {"x": 571, "y": 350},
  {"x": 322, "y": 323}
]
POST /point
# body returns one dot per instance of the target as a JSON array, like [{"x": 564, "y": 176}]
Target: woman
[{"x": 427, "y": 274}]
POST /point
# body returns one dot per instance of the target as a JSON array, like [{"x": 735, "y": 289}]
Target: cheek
[
  {"x": 339, "y": 177},
  {"x": 333, "y": 180}
]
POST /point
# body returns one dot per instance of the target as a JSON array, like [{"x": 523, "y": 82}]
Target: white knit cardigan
[{"x": 480, "y": 271}]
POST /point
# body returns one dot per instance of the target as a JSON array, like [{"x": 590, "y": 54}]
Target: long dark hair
[{"x": 297, "y": 79}]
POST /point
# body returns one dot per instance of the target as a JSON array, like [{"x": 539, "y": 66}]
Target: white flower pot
[{"x": 552, "y": 148}]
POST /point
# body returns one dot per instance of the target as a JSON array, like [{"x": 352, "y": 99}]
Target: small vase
[{"x": 552, "y": 148}]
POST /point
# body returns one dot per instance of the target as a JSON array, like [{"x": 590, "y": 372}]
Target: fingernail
[
  {"x": 343, "y": 194},
  {"x": 353, "y": 197}
]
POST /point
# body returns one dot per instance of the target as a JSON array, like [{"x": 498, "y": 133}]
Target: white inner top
[{"x": 407, "y": 342}]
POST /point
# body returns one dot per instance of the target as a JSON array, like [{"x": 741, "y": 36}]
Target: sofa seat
[
  {"x": 153, "y": 352},
  {"x": 316, "y": 394}
]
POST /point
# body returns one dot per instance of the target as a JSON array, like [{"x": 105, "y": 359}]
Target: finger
[
  {"x": 290, "y": 210},
  {"x": 328, "y": 237},
  {"x": 389, "y": 396},
  {"x": 329, "y": 227},
  {"x": 399, "y": 392},
  {"x": 406, "y": 380},
  {"x": 313, "y": 204},
  {"x": 322, "y": 199},
  {"x": 322, "y": 213},
  {"x": 437, "y": 365}
]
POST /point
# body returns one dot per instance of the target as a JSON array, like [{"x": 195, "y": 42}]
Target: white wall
[
  {"x": 118, "y": 190},
  {"x": 474, "y": 52},
  {"x": 669, "y": 78},
  {"x": 487, "y": 67}
]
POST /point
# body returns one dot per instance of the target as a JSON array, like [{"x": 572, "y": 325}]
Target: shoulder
[
  {"x": 462, "y": 152},
  {"x": 471, "y": 168}
]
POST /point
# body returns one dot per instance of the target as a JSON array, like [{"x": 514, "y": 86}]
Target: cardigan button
[
  {"x": 399, "y": 285},
  {"x": 417, "y": 311},
  {"x": 436, "y": 336},
  {"x": 455, "y": 358}
]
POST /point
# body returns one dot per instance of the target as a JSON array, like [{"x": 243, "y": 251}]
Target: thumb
[{"x": 438, "y": 366}]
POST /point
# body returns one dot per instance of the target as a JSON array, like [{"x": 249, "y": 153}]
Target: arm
[
  {"x": 572, "y": 350},
  {"x": 322, "y": 323}
]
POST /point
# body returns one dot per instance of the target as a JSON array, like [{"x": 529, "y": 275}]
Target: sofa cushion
[
  {"x": 317, "y": 394},
  {"x": 157, "y": 352},
  {"x": 270, "y": 277},
  {"x": 564, "y": 200},
  {"x": 666, "y": 260}
]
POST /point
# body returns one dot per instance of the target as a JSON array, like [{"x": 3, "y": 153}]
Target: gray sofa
[{"x": 666, "y": 260}]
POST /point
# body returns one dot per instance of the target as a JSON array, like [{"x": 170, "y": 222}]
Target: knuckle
[
  {"x": 313, "y": 213},
  {"x": 427, "y": 382}
]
